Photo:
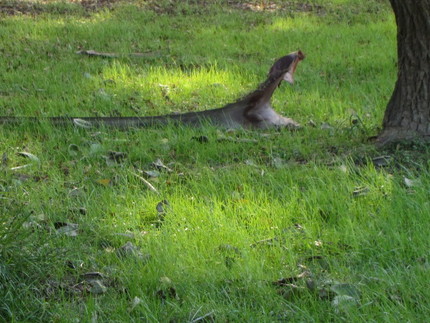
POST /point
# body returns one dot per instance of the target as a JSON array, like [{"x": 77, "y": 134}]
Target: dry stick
[
  {"x": 148, "y": 184},
  {"x": 20, "y": 167},
  {"x": 201, "y": 318},
  {"x": 91, "y": 52}
]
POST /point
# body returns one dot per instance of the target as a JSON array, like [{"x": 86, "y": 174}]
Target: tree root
[{"x": 393, "y": 135}]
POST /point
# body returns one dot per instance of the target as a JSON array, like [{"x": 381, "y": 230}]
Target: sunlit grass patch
[{"x": 193, "y": 224}]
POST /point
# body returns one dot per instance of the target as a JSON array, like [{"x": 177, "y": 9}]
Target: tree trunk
[{"x": 408, "y": 112}]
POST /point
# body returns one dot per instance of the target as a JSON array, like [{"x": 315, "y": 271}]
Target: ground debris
[
  {"x": 68, "y": 229},
  {"x": 147, "y": 183},
  {"x": 116, "y": 156},
  {"x": 268, "y": 6},
  {"x": 162, "y": 209},
  {"x": 130, "y": 250},
  {"x": 4, "y": 160},
  {"x": 381, "y": 161},
  {"x": 289, "y": 280},
  {"x": 167, "y": 293},
  {"x": 201, "y": 139},
  {"x": 97, "y": 287},
  {"x": 91, "y": 52},
  {"x": 158, "y": 164},
  {"x": 94, "y": 283},
  {"x": 360, "y": 191},
  {"x": 30, "y": 156}
]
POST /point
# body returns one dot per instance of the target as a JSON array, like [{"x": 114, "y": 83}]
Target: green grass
[{"x": 335, "y": 215}]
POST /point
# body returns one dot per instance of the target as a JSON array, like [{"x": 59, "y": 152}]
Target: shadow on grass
[
  {"x": 18, "y": 7},
  {"x": 186, "y": 47},
  {"x": 344, "y": 71}
]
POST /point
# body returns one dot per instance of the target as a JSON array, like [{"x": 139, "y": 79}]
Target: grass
[{"x": 312, "y": 207}]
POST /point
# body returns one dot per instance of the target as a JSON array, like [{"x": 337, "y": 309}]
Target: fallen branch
[
  {"x": 147, "y": 183},
  {"x": 91, "y": 52}
]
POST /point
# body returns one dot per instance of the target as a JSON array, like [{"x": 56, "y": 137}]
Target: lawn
[{"x": 180, "y": 224}]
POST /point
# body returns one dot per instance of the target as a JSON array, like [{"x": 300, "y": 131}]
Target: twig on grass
[
  {"x": 147, "y": 183},
  {"x": 91, "y": 52}
]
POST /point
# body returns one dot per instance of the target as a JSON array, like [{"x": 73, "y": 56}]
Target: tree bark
[{"x": 407, "y": 115}]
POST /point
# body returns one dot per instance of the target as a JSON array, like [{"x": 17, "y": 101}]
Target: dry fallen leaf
[
  {"x": 68, "y": 229},
  {"x": 129, "y": 249},
  {"x": 344, "y": 303},
  {"x": 151, "y": 173},
  {"x": 160, "y": 166},
  {"x": 409, "y": 182},
  {"x": 326, "y": 126},
  {"x": 76, "y": 192},
  {"x": 346, "y": 289},
  {"x": 381, "y": 161},
  {"x": 92, "y": 275},
  {"x": 136, "y": 301},
  {"x": 97, "y": 287},
  {"x": 73, "y": 150},
  {"x": 360, "y": 191},
  {"x": 82, "y": 123},
  {"x": 162, "y": 208},
  {"x": 116, "y": 156},
  {"x": 30, "y": 156}
]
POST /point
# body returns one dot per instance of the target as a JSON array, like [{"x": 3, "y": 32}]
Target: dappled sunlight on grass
[
  {"x": 229, "y": 225},
  {"x": 302, "y": 24},
  {"x": 172, "y": 89},
  {"x": 206, "y": 64}
]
